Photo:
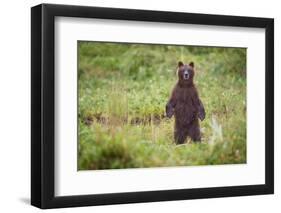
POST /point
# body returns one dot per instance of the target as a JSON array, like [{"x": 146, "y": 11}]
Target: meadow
[{"x": 122, "y": 93}]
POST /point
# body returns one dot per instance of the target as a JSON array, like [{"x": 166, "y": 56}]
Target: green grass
[{"x": 123, "y": 90}]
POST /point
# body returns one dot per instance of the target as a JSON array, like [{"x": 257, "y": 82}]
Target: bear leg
[
  {"x": 180, "y": 136},
  {"x": 194, "y": 131}
]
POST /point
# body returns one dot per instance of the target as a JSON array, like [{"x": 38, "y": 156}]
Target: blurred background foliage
[{"x": 123, "y": 90}]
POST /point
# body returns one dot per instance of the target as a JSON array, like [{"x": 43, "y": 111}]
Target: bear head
[{"x": 185, "y": 73}]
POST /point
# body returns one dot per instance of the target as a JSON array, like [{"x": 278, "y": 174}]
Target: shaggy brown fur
[{"x": 185, "y": 104}]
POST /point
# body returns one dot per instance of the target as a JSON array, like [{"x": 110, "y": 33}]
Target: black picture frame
[{"x": 43, "y": 105}]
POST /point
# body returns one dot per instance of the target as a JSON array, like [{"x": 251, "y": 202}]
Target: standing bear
[{"x": 185, "y": 104}]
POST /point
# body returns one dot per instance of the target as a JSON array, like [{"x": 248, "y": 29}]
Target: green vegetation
[{"x": 123, "y": 90}]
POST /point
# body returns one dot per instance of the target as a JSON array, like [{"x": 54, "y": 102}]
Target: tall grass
[{"x": 123, "y": 90}]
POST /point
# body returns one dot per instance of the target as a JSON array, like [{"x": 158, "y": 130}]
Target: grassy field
[{"x": 123, "y": 90}]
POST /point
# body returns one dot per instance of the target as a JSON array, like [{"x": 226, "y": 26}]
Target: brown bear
[{"x": 185, "y": 104}]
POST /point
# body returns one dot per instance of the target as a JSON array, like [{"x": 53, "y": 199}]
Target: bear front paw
[{"x": 169, "y": 111}]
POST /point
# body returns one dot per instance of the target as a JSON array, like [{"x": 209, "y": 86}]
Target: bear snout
[{"x": 186, "y": 75}]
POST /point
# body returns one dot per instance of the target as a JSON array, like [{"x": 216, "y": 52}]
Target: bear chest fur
[{"x": 185, "y": 111}]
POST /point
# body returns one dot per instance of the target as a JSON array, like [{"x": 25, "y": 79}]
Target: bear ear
[
  {"x": 180, "y": 64},
  {"x": 191, "y": 64}
]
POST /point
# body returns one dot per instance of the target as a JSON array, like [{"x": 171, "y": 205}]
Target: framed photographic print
[{"x": 140, "y": 106}]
